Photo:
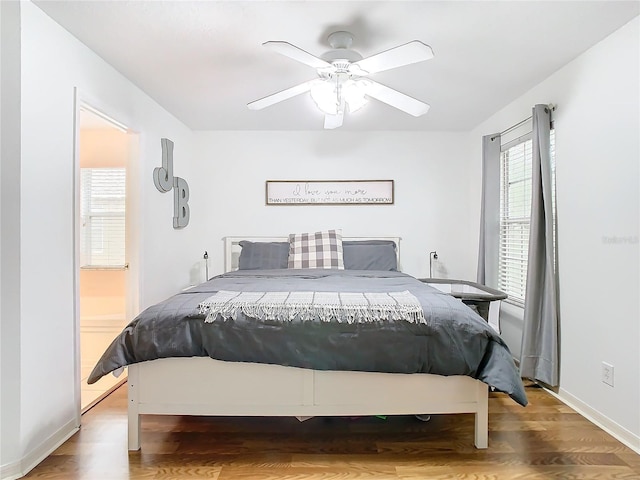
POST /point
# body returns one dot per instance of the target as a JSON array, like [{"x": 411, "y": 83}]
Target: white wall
[
  {"x": 53, "y": 64},
  {"x": 429, "y": 170},
  {"x": 598, "y": 178},
  {"x": 9, "y": 231}
]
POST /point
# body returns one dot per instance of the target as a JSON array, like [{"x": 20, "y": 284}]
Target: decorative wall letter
[
  {"x": 163, "y": 176},
  {"x": 164, "y": 181},
  {"x": 180, "y": 205}
]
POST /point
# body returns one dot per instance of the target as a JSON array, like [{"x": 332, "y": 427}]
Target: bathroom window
[{"x": 102, "y": 233}]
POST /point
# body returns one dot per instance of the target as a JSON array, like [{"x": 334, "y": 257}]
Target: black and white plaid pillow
[{"x": 316, "y": 250}]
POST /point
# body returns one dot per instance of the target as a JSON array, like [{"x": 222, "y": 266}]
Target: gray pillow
[
  {"x": 263, "y": 255},
  {"x": 370, "y": 255}
]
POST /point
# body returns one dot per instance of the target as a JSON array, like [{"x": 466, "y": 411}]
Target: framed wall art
[{"x": 329, "y": 192}]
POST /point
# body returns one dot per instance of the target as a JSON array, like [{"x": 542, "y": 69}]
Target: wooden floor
[{"x": 545, "y": 440}]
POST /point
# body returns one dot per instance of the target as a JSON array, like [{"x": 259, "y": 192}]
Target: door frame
[{"x": 84, "y": 100}]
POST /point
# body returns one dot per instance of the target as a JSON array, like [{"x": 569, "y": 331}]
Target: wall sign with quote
[
  {"x": 329, "y": 192},
  {"x": 164, "y": 181}
]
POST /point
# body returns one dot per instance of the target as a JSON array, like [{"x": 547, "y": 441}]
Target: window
[
  {"x": 102, "y": 235},
  {"x": 515, "y": 214}
]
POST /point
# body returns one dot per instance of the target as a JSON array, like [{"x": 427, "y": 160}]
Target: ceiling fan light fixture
[
  {"x": 354, "y": 94},
  {"x": 343, "y": 82},
  {"x": 326, "y": 94}
]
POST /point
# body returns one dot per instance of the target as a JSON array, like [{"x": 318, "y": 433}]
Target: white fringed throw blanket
[{"x": 324, "y": 306}]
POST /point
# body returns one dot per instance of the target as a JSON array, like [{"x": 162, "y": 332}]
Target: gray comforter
[{"x": 453, "y": 340}]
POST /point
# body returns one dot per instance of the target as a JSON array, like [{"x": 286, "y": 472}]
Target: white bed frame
[{"x": 203, "y": 386}]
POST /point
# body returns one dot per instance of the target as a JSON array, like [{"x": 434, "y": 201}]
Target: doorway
[{"x": 105, "y": 152}]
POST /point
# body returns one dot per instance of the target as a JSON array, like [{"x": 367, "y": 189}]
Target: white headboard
[{"x": 232, "y": 247}]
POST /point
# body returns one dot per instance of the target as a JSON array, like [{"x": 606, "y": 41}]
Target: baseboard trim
[
  {"x": 612, "y": 428},
  {"x": 10, "y": 471},
  {"x": 20, "y": 468}
]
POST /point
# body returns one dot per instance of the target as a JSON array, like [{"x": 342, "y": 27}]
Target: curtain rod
[{"x": 522, "y": 122}]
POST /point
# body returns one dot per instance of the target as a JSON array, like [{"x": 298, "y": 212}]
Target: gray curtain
[
  {"x": 489, "y": 212},
  {"x": 540, "y": 349}
]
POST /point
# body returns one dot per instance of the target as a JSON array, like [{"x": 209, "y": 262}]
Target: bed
[{"x": 198, "y": 353}]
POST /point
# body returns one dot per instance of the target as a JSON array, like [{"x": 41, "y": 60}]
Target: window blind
[
  {"x": 102, "y": 233},
  {"x": 515, "y": 215}
]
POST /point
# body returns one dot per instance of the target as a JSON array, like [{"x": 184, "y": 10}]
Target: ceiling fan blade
[
  {"x": 291, "y": 51},
  {"x": 396, "y": 99},
  {"x": 412, "y": 52},
  {"x": 333, "y": 121},
  {"x": 280, "y": 96}
]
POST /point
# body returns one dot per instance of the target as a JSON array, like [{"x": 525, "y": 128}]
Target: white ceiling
[{"x": 203, "y": 60}]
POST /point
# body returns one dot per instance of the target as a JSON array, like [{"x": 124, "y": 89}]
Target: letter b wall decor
[{"x": 165, "y": 181}]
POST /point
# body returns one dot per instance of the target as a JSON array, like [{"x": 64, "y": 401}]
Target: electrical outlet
[{"x": 607, "y": 373}]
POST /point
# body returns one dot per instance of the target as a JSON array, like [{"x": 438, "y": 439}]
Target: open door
[{"x": 106, "y": 293}]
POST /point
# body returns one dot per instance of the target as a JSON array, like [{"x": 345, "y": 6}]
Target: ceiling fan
[{"x": 343, "y": 81}]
